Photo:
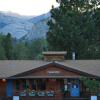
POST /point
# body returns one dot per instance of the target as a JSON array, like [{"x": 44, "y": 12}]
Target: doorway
[{"x": 75, "y": 89}]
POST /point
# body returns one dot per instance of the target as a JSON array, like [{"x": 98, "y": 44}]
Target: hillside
[{"x": 23, "y": 27}]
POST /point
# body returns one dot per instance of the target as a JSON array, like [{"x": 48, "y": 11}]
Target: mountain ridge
[{"x": 30, "y": 28}]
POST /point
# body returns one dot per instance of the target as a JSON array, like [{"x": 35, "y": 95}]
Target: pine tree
[
  {"x": 2, "y": 50},
  {"x": 72, "y": 26},
  {"x": 8, "y": 46}
]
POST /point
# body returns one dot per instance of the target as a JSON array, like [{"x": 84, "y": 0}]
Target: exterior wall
[
  {"x": 2, "y": 88},
  {"x": 54, "y": 57},
  {"x": 55, "y": 71},
  {"x": 14, "y": 89},
  {"x": 52, "y": 85}
]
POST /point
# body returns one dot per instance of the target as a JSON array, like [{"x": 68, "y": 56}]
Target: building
[{"x": 53, "y": 77}]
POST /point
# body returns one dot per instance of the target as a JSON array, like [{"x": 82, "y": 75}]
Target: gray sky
[{"x": 27, "y": 7}]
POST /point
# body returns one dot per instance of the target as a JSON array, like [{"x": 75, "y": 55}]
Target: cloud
[{"x": 27, "y": 7}]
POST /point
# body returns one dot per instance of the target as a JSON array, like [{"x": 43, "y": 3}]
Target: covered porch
[{"x": 46, "y": 87}]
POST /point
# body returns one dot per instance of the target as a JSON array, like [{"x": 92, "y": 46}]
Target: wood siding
[
  {"x": 45, "y": 72},
  {"x": 54, "y": 57},
  {"x": 2, "y": 88}
]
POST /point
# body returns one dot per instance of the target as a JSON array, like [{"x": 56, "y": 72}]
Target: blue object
[
  {"x": 9, "y": 89},
  {"x": 93, "y": 97},
  {"x": 75, "y": 90},
  {"x": 15, "y": 97}
]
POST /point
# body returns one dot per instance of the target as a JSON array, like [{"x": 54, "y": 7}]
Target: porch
[{"x": 46, "y": 89}]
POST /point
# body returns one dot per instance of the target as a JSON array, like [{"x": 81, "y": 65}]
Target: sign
[
  {"x": 54, "y": 73},
  {"x": 93, "y": 97},
  {"x": 15, "y": 97}
]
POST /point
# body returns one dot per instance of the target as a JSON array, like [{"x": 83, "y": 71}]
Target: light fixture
[{"x": 3, "y": 80}]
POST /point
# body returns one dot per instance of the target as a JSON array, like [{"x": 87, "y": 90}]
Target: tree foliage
[
  {"x": 74, "y": 27},
  {"x": 92, "y": 85},
  {"x": 20, "y": 51},
  {"x": 11, "y": 48},
  {"x": 36, "y": 48},
  {"x": 8, "y": 46},
  {"x": 2, "y": 50}
]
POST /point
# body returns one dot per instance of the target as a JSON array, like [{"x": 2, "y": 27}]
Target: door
[
  {"x": 75, "y": 90},
  {"x": 9, "y": 89}
]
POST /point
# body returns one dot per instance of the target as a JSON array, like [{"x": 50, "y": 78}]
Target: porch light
[{"x": 3, "y": 80}]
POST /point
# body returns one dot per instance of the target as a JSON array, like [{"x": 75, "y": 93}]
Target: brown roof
[{"x": 12, "y": 67}]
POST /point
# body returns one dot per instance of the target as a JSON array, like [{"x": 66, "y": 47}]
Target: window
[
  {"x": 41, "y": 84},
  {"x": 24, "y": 84},
  {"x": 33, "y": 84},
  {"x": 17, "y": 85},
  {"x": 27, "y": 84},
  {"x": 75, "y": 86}
]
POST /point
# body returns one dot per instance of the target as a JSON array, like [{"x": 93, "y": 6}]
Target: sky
[{"x": 27, "y": 7}]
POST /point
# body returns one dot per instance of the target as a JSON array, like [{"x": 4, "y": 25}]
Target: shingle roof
[
  {"x": 12, "y": 67},
  {"x": 88, "y": 66}
]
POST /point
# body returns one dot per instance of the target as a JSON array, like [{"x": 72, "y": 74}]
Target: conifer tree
[
  {"x": 8, "y": 46},
  {"x": 72, "y": 26}
]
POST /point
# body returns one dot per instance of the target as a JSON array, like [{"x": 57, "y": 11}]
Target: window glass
[
  {"x": 27, "y": 84},
  {"x": 17, "y": 85},
  {"x": 33, "y": 84},
  {"x": 41, "y": 84},
  {"x": 75, "y": 86},
  {"x": 24, "y": 84}
]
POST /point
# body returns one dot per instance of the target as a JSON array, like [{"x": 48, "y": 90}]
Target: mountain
[
  {"x": 39, "y": 18},
  {"x": 39, "y": 29},
  {"x": 23, "y": 27}
]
